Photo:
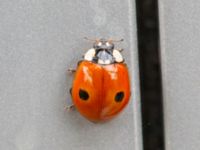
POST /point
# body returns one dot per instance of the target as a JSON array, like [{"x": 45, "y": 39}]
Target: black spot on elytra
[
  {"x": 119, "y": 96},
  {"x": 83, "y": 94}
]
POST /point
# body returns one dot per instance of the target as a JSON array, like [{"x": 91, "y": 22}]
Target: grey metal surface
[
  {"x": 180, "y": 54},
  {"x": 39, "y": 40}
]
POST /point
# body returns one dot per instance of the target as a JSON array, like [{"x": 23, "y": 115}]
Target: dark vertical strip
[{"x": 151, "y": 92}]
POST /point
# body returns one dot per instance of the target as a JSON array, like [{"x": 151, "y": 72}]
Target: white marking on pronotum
[
  {"x": 106, "y": 62},
  {"x": 117, "y": 55},
  {"x": 100, "y": 61},
  {"x": 89, "y": 54}
]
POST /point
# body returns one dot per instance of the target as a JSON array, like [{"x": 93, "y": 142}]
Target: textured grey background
[
  {"x": 39, "y": 40},
  {"x": 180, "y": 53}
]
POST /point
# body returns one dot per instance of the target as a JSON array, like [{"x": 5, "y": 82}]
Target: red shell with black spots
[{"x": 100, "y": 92}]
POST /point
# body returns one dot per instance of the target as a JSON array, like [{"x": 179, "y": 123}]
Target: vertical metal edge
[
  {"x": 162, "y": 53},
  {"x": 135, "y": 77}
]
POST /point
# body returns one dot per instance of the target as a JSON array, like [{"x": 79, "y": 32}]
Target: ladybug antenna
[
  {"x": 121, "y": 40},
  {"x": 86, "y": 38}
]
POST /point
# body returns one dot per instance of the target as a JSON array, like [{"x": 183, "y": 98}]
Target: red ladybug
[{"x": 101, "y": 87}]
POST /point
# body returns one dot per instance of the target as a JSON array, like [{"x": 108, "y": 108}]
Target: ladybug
[{"x": 101, "y": 87}]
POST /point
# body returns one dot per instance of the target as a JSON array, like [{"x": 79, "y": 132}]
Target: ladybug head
[
  {"x": 103, "y": 44},
  {"x": 103, "y": 52}
]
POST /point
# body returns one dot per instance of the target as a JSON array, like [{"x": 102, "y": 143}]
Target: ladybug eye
[
  {"x": 100, "y": 44},
  {"x": 119, "y": 96},
  {"x": 83, "y": 95},
  {"x": 107, "y": 44}
]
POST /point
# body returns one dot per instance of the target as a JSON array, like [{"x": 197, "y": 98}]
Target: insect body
[{"x": 101, "y": 86}]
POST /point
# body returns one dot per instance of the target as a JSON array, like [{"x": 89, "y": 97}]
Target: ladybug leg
[
  {"x": 120, "y": 50},
  {"x": 69, "y": 107},
  {"x": 79, "y": 62},
  {"x": 70, "y": 91},
  {"x": 71, "y": 70}
]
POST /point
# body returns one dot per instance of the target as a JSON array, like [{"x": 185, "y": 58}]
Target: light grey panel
[
  {"x": 180, "y": 55},
  {"x": 39, "y": 40}
]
